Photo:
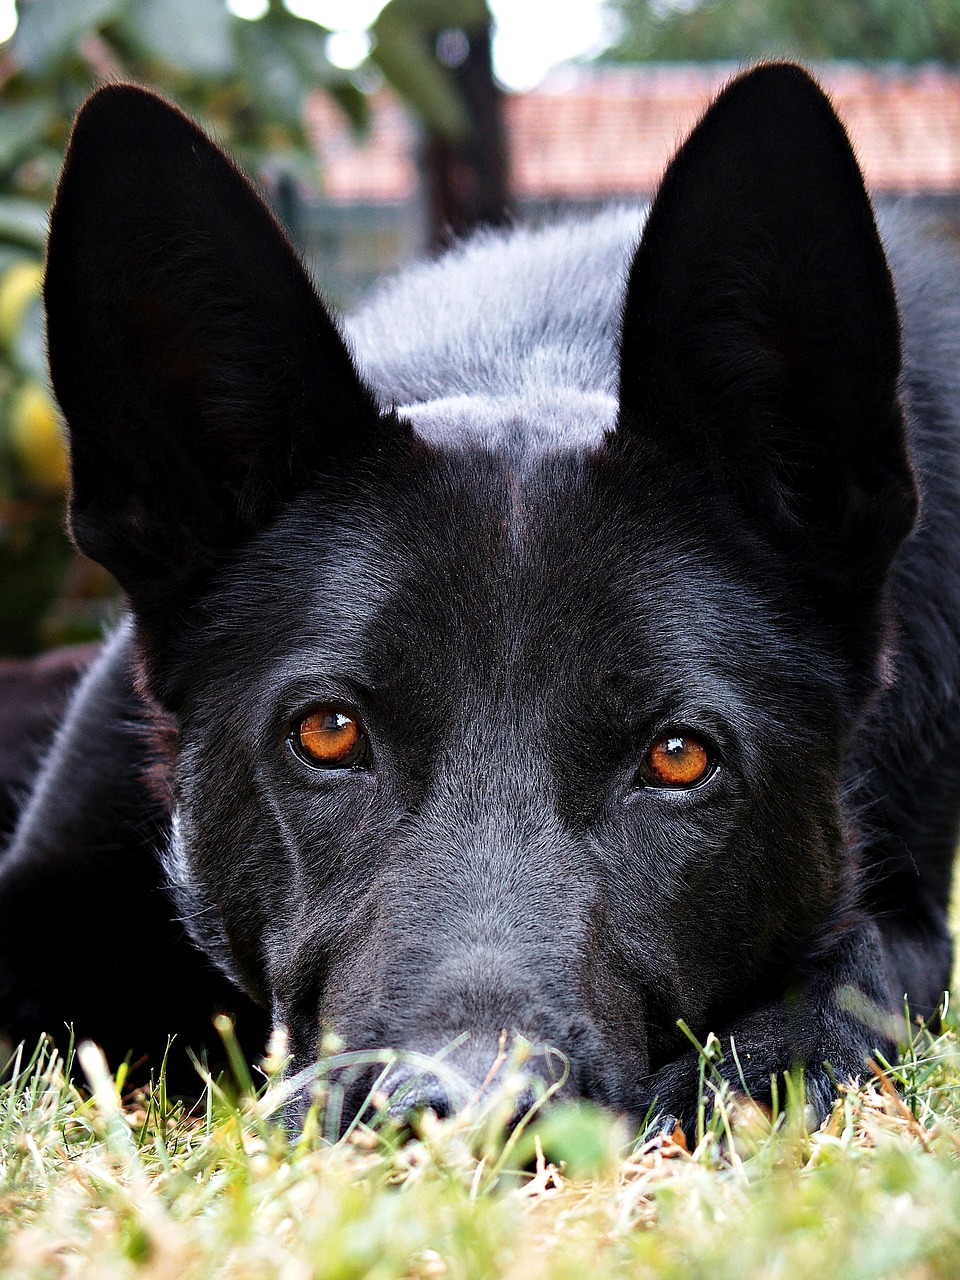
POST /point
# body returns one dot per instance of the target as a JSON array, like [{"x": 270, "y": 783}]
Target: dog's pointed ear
[
  {"x": 201, "y": 378},
  {"x": 760, "y": 329}
]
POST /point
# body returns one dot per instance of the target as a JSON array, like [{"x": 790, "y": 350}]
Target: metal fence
[{"x": 350, "y": 246}]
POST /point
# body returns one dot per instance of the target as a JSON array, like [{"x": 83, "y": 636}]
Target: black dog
[{"x": 571, "y": 662}]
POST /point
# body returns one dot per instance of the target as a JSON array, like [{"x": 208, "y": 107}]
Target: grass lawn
[{"x": 96, "y": 1184}]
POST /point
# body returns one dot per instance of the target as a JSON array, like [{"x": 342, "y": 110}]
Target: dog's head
[{"x": 478, "y": 736}]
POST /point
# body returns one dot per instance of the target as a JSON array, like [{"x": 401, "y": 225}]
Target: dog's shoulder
[{"x": 925, "y": 262}]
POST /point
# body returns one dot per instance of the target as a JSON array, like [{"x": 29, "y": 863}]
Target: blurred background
[{"x": 381, "y": 131}]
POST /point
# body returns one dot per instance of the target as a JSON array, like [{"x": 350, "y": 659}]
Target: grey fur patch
[
  {"x": 519, "y": 424},
  {"x": 198, "y": 915},
  {"x": 520, "y": 312}
]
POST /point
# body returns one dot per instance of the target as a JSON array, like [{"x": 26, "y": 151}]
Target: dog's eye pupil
[
  {"x": 676, "y": 760},
  {"x": 329, "y": 738}
]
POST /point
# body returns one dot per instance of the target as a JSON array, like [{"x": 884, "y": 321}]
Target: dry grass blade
[{"x": 100, "y": 1186}]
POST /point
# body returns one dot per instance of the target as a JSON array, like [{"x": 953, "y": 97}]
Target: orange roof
[{"x": 594, "y": 132}]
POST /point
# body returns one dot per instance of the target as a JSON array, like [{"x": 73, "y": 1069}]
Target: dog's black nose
[
  {"x": 411, "y": 1093},
  {"x": 497, "y": 1080}
]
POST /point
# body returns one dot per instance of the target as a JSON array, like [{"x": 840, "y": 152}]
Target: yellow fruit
[
  {"x": 37, "y": 439},
  {"x": 18, "y": 287}
]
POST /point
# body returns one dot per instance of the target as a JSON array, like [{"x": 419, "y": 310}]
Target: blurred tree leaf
[
  {"x": 733, "y": 30},
  {"x": 23, "y": 221},
  {"x": 194, "y": 35},
  {"x": 247, "y": 80},
  {"x": 404, "y": 37},
  {"x": 283, "y": 59},
  {"x": 30, "y": 344},
  {"x": 34, "y": 556},
  {"x": 352, "y": 101},
  {"x": 250, "y": 82},
  {"x": 22, "y": 127},
  {"x": 49, "y": 29}
]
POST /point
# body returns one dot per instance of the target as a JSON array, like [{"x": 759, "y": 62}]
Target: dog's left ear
[
  {"x": 760, "y": 331},
  {"x": 203, "y": 381}
]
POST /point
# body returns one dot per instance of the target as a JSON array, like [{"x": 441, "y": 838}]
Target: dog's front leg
[{"x": 830, "y": 1017}]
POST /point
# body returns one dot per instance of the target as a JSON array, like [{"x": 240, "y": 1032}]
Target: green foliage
[
  {"x": 97, "y": 1183},
  {"x": 404, "y": 36},
  {"x": 249, "y": 82},
  {"x": 736, "y": 30},
  {"x": 194, "y": 50}
]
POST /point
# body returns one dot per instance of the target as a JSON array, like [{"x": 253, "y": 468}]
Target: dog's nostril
[
  {"x": 414, "y": 1094},
  {"x": 526, "y": 1099},
  {"x": 482, "y": 1082}
]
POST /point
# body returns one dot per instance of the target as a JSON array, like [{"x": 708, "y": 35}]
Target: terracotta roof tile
[
  {"x": 594, "y": 132},
  {"x": 381, "y": 167}
]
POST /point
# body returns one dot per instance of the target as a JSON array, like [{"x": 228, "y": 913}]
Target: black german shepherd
[{"x": 559, "y": 650}]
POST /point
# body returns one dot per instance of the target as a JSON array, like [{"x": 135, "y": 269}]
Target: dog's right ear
[
  {"x": 202, "y": 380},
  {"x": 761, "y": 338}
]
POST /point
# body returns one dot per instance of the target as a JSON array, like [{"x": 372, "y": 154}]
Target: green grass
[{"x": 97, "y": 1184}]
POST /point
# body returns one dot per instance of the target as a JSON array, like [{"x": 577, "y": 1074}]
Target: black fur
[{"x": 555, "y": 505}]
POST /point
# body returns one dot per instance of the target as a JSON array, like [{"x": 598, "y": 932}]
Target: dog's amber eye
[
  {"x": 329, "y": 738},
  {"x": 677, "y": 759}
]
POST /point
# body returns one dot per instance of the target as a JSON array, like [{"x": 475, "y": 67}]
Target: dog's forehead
[{"x": 484, "y": 558}]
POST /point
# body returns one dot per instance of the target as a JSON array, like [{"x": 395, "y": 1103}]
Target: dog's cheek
[
  {"x": 703, "y": 908},
  {"x": 227, "y": 863},
  {"x": 325, "y": 968}
]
